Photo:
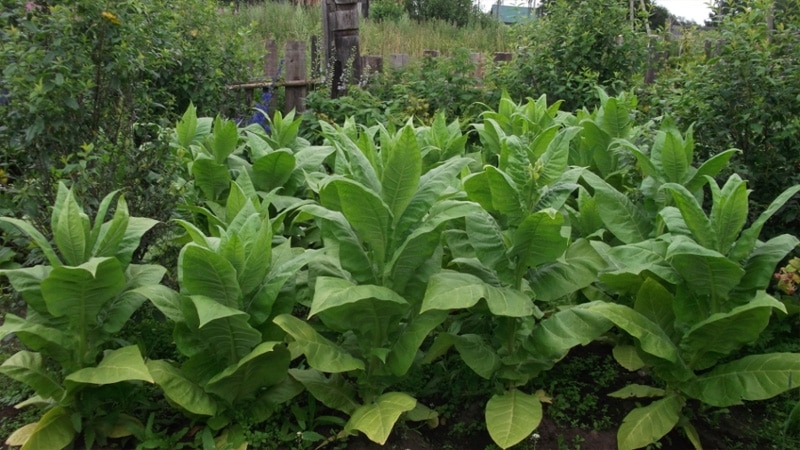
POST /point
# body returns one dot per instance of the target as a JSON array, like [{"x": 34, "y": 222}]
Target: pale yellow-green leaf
[
  {"x": 377, "y": 420},
  {"x": 628, "y": 357},
  {"x": 646, "y": 425},
  {"x": 124, "y": 364},
  {"x": 638, "y": 391},
  {"x": 512, "y": 416},
  {"x": 19, "y": 437}
]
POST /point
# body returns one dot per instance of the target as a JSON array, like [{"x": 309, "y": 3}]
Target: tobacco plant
[
  {"x": 381, "y": 220},
  {"x": 77, "y": 305},
  {"x": 230, "y": 290},
  {"x": 514, "y": 251},
  {"x": 697, "y": 295}
]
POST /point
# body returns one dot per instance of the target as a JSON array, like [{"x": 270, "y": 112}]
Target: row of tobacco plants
[{"x": 337, "y": 270}]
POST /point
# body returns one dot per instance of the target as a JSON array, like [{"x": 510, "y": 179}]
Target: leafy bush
[
  {"x": 747, "y": 96},
  {"x": 575, "y": 47},
  {"x": 386, "y": 10},
  {"x": 84, "y": 81},
  {"x": 459, "y": 12},
  {"x": 82, "y": 376}
]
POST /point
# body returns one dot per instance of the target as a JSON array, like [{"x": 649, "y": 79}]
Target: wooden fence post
[
  {"x": 296, "y": 83},
  {"x": 371, "y": 65},
  {"x": 398, "y": 61},
  {"x": 340, "y": 29},
  {"x": 478, "y": 61},
  {"x": 502, "y": 57}
]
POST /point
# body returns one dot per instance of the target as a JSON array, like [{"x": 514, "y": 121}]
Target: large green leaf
[
  {"x": 747, "y": 241},
  {"x": 477, "y": 354},
  {"x": 53, "y": 431},
  {"x": 124, "y": 364},
  {"x": 577, "y": 270},
  {"x": 273, "y": 170},
  {"x": 180, "y": 390},
  {"x": 377, "y": 419},
  {"x": 401, "y": 173},
  {"x": 722, "y": 333},
  {"x": 538, "y": 239},
  {"x": 694, "y": 217},
  {"x": 334, "y": 392},
  {"x": 26, "y": 367},
  {"x": 37, "y": 237},
  {"x": 265, "y": 366},
  {"x": 554, "y": 160},
  {"x": 452, "y": 290},
  {"x": 705, "y": 272},
  {"x": 204, "y": 272},
  {"x": 646, "y": 425},
  {"x": 137, "y": 227},
  {"x": 186, "y": 127},
  {"x": 674, "y": 163},
  {"x": 71, "y": 232},
  {"x": 508, "y": 302},
  {"x": 332, "y": 293},
  {"x": 405, "y": 348},
  {"x": 321, "y": 353},
  {"x": 27, "y": 282},
  {"x": 225, "y": 334},
  {"x": 654, "y": 301},
  {"x": 755, "y": 377},
  {"x": 555, "y": 335},
  {"x": 111, "y": 234},
  {"x": 626, "y": 220},
  {"x": 487, "y": 240},
  {"x": 208, "y": 310},
  {"x": 79, "y": 293},
  {"x": 512, "y": 416},
  {"x": 224, "y": 139},
  {"x": 652, "y": 339},
  {"x": 211, "y": 177},
  {"x": 56, "y": 343},
  {"x": 760, "y": 265},
  {"x": 729, "y": 211},
  {"x": 369, "y": 216},
  {"x": 710, "y": 168}
]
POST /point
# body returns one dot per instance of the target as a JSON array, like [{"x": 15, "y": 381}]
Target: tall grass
[
  {"x": 285, "y": 21},
  {"x": 409, "y": 36}
]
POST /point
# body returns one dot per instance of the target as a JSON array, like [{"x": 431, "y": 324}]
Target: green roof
[{"x": 513, "y": 14}]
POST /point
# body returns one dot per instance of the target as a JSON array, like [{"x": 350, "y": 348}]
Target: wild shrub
[
  {"x": 745, "y": 95},
  {"x": 575, "y": 47},
  {"x": 83, "y": 82}
]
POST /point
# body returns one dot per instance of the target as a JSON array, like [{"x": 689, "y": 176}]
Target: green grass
[{"x": 285, "y": 22}]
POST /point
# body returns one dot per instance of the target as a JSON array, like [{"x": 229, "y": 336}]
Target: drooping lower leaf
[
  {"x": 265, "y": 366},
  {"x": 646, "y": 425},
  {"x": 124, "y": 364},
  {"x": 180, "y": 390},
  {"x": 512, "y": 416},
  {"x": 321, "y": 353},
  {"x": 333, "y": 391},
  {"x": 652, "y": 339},
  {"x": 377, "y": 419},
  {"x": 27, "y": 367},
  {"x": 755, "y": 377},
  {"x": 53, "y": 431}
]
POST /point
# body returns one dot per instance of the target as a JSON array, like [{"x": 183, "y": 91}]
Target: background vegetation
[{"x": 600, "y": 200}]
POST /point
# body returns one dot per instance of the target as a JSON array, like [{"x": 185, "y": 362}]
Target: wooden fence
[{"x": 292, "y": 74}]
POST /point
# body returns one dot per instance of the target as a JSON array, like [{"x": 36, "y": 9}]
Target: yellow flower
[{"x": 110, "y": 17}]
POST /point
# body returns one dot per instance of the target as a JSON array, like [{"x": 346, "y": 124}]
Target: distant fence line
[{"x": 292, "y": 74}]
